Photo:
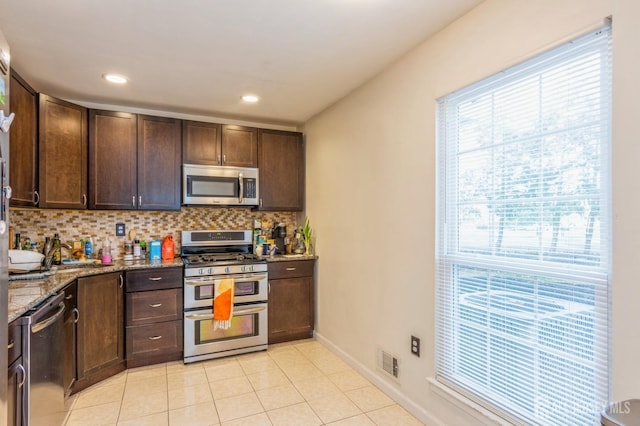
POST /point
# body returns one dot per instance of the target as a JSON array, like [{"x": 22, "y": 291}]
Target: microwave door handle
[{"x": 241, "y": 187}]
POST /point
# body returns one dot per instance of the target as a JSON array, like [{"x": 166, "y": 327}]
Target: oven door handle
[
  {"x": 240, "y": 279},
  {"x": 236, "y": 312}
]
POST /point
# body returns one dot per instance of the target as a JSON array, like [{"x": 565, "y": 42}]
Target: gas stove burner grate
[{"x": 226, "y": 258}]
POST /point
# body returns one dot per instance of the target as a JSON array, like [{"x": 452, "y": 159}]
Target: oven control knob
[
  {"x": 251, "y": 268},
  {"x": 210, "y": 271},
  {"x": 201, "y": 271},
  {"x": 227, "y": 269},
  {"x": 244, "y": 269}
]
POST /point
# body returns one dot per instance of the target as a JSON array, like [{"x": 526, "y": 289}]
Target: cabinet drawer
[
  {"x": 154, "y": 306},
  {"x": 154, "y": 339},
  {"x": 154, "y": 279},
  {"x": 293, "y": 269},
  {"x": 14, "y": 341}
]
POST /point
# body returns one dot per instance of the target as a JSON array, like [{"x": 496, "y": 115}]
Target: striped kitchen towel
[{"x": 223, "y": 303}]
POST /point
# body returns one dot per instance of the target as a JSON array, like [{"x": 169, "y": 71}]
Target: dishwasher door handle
[{"x": 39, "y": 326}]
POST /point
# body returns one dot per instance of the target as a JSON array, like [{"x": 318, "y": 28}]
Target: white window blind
[{"x": 523, "y": 246}]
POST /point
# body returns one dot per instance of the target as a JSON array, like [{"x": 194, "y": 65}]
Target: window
[{"x": 523, "y": 252}]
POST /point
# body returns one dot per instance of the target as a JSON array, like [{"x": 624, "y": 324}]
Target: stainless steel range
[{"x": 209, "y": 257}]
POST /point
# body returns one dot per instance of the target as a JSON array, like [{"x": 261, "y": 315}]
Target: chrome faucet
[{"x": 48, "y": 258}]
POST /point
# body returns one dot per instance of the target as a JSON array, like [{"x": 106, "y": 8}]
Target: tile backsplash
[{"x": 100, "y": 224}]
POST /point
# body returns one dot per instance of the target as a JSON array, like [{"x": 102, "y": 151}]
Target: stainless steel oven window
[
  {"x": 245, "y": 333},
  {"x": 241, "y": 326}
]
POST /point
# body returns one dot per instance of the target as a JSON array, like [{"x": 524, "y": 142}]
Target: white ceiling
[{"x": 199, "y": 56}]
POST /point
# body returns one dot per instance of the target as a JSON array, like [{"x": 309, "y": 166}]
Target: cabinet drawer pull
[
  {"x": 11, "y": 345},
  {"x": 155, "y": 305},
  {"x": 155, "y": 278},
  {"x": 155, "y": 337},
  {"x": 68, "y": 297},
  {"x": 291, "y": 269},
  {"x": 24, "y": 376}
]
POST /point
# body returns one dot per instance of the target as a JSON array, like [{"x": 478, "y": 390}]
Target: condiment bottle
[
  {"x": 136, "y": 248},
  {"x": 88, "y": 247},
  {"x": 57, "y": 254},
  {"x": 167, "y": 248},
  {"x": 106, "y": 251}
]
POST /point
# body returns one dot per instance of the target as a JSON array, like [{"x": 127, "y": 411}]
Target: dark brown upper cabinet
[
  {"x": 201, "y": 143},
  {"x": 112, "y": 160},
  {"x": 239, "y": 146},
  {"x": 281, "y": 165},
  {"x": 134, "y": 161},
  {"x": 62, "y": 154},
  {"x": 159, "y": 161},
  {"x": 23, "y": 149},
  {"x": 221, "y": 145}
]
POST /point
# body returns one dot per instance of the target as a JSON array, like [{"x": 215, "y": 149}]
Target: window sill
[{"x": 469, "y": 406}]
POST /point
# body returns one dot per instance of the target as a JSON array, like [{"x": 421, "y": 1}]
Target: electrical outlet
[
  {"x": 415, "y": 346},
  {"x": 120, "y": 230}
]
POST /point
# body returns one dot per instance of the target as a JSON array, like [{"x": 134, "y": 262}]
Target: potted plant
[{"x": 306, "y": 233}]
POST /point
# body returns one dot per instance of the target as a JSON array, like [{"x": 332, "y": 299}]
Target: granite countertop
[
  {"x": 288, "y": 257},
  {"x": 26, "y": 294}
]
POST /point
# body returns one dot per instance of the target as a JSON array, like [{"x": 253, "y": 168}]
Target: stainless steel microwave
[{"x": 219, "y": 185}]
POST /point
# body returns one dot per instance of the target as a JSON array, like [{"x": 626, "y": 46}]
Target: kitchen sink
[
  {"x": 78, "y": 267},
  {"x": 35, "y": 275}
]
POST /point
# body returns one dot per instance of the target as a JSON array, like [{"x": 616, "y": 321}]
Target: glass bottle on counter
[
  {"x": 18, "y": 243},
  {"x": 57, "y": 254}
]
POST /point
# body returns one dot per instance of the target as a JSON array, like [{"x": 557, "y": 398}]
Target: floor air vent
[{"x": 388, "y": 363}]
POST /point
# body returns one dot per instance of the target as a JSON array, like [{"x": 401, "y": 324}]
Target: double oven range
[{"x": 210, "y": 256}]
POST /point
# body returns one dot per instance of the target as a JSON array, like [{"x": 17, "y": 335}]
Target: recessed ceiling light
[
  {"x": 115, "y": 78},
  {"x": 250, "y": 98}
]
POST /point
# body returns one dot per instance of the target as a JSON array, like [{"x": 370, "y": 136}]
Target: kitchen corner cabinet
[
  {"x": 62, "y": 154},
  {"x": 281, "y": 165},
  {"x": 153, "y": 316},
  {"x": 100, "y": 351},
  {"x": 134, "y": 161},
  {"x": 23, "y": 149},
  {"x": 291, "y": 300}
]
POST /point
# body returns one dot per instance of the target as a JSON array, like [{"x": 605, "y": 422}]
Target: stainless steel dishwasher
[{"x": 42, "y": 355}]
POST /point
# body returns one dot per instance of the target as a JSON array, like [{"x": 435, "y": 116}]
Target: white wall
[{"x": 371, "y": 189}]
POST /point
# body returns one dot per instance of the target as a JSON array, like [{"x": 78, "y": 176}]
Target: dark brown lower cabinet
[
  {"x": 15, "y": 393},
  {"x": 15, "y": 388},
  {"x": 291, "y": 300},
  {"x": 154, "y": 316},
  {"x": 69, "y": 355},
  {"x": 100, "y": 328}
]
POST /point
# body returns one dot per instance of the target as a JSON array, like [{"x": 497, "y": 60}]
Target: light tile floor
[{"x": 299, "y": 384}]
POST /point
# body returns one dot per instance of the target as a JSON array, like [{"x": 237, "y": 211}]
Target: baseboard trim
[{"x": 392, "y": 392}]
